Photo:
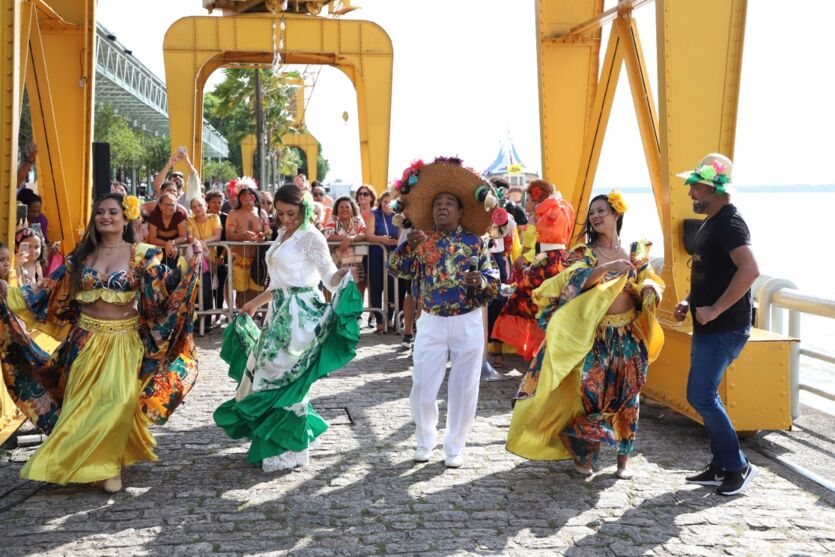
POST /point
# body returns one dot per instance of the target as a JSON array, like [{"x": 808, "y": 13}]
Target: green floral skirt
[{"x": 304, "y": 339}]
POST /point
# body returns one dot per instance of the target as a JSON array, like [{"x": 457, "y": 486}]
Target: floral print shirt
[{"x": 437, "y": 268}]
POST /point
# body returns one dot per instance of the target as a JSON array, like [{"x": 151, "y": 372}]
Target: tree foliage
[
  {"x": 230, "y": 108},
  {"x": 222, "y": 171},
  {"x": 130, "y": 147},
  {"x": 125, "y": 145}
]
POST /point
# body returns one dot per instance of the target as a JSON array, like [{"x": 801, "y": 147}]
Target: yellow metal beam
[
  {"x": 196, "y": 46},
  {"x": 596, "y": 128},
  {"x": 310, "y": 146},
  {"x": 45, "y": 129},
  {"x": 9, "y": 114},
  {"x": 567, "y": 86},
  {"x": 697, "y": 115},
  {"x": 248, "y": 146},
  {"x": 59, "y": 80},
  {"x": 10, "y": 417}
]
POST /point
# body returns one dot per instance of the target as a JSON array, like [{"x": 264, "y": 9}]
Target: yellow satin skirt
[{"x": 101, "y": 428}]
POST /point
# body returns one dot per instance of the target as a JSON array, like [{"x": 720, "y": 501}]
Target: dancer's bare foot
[
  {"x": 582, "y": 469},
  {"x": 113, "y": 485},
  {"x": 622, "y": 473}
]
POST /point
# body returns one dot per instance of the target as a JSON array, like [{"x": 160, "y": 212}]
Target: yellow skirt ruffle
[{"x": 101, "y": 428}]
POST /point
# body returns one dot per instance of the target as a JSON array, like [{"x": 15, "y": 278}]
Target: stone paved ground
[{"x": 363, "y": 495}]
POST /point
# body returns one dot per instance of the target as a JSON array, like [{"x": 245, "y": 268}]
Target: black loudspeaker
[
  {"x": 101, "y": 169},
  {"x": 691, "y": 228}
]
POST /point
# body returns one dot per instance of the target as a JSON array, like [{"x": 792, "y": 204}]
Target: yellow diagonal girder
[
  {"x": 196, "y": 46},
  {"x": 59, "y": 80}
]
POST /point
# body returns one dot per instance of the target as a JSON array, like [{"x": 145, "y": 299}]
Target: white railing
[{"x": 774, "y": 297}]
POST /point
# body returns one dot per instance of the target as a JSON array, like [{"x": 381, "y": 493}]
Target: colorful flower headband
[
  {"x": 615, "y": 199},
  {"x": 235, "y": 185},
  {"x": 132, "y": 207},
  {"x": 715, "y": 173}
]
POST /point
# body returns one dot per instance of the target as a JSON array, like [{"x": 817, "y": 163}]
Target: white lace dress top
[{"x": 301, "y": 261}]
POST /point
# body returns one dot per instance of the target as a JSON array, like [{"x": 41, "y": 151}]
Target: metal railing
[
  {"x": 229, "y": 290},
  {"x": 774, "y": 297}
]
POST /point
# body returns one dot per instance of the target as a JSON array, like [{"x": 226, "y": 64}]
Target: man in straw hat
[
  {"x": 448, "y": 207},
  {"x": 719, "y": 301}
]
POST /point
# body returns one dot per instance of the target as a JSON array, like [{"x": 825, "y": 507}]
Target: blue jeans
[{"x": 710, "y": 356}]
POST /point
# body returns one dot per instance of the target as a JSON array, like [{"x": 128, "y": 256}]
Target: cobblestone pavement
[{"x": 363, "y": 495}]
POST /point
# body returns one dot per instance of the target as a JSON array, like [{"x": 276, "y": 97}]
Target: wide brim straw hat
[
  {"x": 421, "y": 183},
  {"x": 715, "y": 170}
]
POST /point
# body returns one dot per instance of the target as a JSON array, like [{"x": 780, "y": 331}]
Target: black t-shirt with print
[{"x": 713, "y": 270}]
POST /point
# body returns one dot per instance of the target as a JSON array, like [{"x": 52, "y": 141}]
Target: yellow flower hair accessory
[
  {"x": 132, "y": 207},
  {"x": 615, "y": 199}
]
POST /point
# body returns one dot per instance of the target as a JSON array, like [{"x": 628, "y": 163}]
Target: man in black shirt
[{"x": 719, "y": 301}]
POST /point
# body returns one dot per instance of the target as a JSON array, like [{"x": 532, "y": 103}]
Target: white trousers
[{"x": 461, "y": 339}]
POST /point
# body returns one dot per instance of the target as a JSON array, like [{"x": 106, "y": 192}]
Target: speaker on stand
[{"x": 101, "y": 169}]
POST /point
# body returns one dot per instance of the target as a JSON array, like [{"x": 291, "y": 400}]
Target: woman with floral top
[
  {"x": 347, "y": 227},
  {"x": 582, "y": 387}
]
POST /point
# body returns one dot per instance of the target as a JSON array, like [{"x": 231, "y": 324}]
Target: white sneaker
[
  {"x": 422, "y": 454},
  {"x": 454, "y": 461}
]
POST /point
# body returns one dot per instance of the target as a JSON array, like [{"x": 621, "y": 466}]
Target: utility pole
[{"x": 261, "y": 168}]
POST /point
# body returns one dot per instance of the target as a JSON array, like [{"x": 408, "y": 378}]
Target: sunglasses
[
  {"x": 315, "y": 194},
  {"x": 364, "y": 193}
]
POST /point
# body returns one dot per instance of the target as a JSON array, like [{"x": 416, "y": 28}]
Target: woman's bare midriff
[
  {"x": 623, "y": 303},
  {"x": 108, "y": 311}
]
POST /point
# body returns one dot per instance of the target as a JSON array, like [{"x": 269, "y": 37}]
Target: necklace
[
  {"x": 609, "y": 253},
  {"x": 109, "y": 249}
]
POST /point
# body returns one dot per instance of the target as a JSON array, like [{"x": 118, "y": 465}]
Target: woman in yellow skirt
[
  {"x": 581, "y": 390},
  {"x": 126, "y": 357}
]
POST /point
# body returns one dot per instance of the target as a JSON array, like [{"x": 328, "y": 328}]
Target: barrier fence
[{"x": 224, "y": 252}]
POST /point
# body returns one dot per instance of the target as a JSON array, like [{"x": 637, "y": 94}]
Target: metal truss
[{"x": 135, "y": 93}]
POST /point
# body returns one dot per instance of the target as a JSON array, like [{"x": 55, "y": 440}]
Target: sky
[{"x": 465, "y": 76}]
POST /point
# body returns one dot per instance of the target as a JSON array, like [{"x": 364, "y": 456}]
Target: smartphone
[
  {"x": 22, "y": 211},
  {"x": 36, "y": 226},
  {"x": 182, "y": 150}
]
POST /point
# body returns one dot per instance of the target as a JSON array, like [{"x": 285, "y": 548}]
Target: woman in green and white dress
[{"x": 303, "y": 339}]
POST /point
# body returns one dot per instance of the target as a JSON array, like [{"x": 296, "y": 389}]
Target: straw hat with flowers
[{"x": 421, "y": 183}]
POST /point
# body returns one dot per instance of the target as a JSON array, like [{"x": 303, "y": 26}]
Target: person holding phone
[
  {"x": 36, "y": 217},
  {"x": 29, "y": 257},
  {"x": 186, "y": 189}
]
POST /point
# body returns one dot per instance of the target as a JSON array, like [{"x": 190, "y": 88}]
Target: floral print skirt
[
  {"x": 304, "y": 339},
  {"x": 613, "y": 374}
]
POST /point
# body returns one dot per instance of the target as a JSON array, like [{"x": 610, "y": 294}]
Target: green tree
[
  {"x": 230, "y": 108},
  {"x": 125, "y": 145},
  {"x": 223, "y": 171}
]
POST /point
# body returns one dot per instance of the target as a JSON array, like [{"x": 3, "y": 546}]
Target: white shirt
[{"x": 303, "y": 260}]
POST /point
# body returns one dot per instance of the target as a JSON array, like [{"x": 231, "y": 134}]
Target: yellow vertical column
[
  {"x": 567, "y": 85},
  {"x": 699, "y": 70},
  {"x": 10, "y": 418},
  {"x": 9, "y": 114},
  {"x": 248, "y": 145}
]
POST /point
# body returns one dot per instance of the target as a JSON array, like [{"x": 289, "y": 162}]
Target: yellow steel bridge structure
[{"x": 48, "y": 47}]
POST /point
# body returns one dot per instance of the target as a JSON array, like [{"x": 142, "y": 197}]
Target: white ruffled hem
[{"x": 286, "y": 461}]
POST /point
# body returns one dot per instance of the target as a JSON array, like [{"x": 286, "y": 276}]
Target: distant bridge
[{"x": 137, "y": 94}]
